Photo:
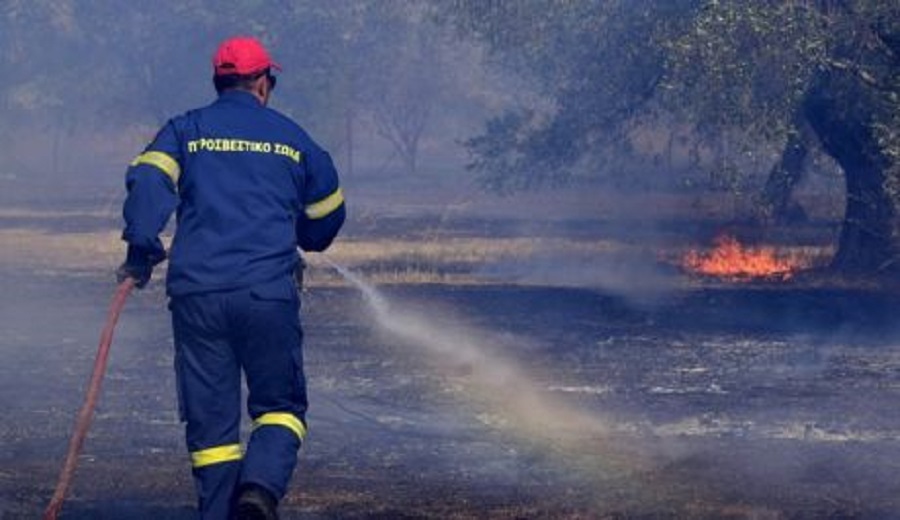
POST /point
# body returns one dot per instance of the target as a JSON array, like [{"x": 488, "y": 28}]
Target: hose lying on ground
[{"x": 90, "y": 400}]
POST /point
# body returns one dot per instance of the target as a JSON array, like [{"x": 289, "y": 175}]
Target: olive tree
[{"x": 795, "y": 74}]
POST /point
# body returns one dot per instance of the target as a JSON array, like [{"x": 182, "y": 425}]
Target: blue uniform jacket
[{"x": 249, "y": 186}]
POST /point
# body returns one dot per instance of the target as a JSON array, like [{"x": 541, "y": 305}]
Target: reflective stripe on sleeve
[
  {"x": 285, "y": 419},
  {"x": 325, "y": 206},
  {"x": 216, "y": 455},
  {"x": 161, "y": 160}
]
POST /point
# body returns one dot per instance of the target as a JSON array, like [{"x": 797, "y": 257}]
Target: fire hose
[{"x": 87, "y": 409}]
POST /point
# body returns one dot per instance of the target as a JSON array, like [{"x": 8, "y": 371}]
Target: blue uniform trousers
[{"x": 217, "y": 335}]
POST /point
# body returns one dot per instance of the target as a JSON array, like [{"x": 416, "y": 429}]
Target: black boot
[{"x": 255, "y": 503}]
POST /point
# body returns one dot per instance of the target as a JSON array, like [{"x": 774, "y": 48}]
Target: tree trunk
[
  {"x": 843, "y": 117},
  {"x": 777, "y": 204}
]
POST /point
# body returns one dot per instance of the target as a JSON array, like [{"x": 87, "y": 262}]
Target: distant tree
[
  {"x": 779, "y": 72},
  {"x": 89, "y": 65},
  {"x": 376, "y": 65},
  {"x": 34, "y": 36},
  {"x": 407, "y": 79},
  {"x": 366, "y": 71}
]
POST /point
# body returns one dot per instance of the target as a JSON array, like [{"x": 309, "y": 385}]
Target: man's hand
[
  {"x": 140, "y": 274},
  {"x": 138, "y": 265}
]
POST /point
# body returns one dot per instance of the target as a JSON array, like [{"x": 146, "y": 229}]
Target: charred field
[{"x": 705, "y": 398}]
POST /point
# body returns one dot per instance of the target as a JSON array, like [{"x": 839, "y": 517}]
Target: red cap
[{"x": 243, "y": 55}]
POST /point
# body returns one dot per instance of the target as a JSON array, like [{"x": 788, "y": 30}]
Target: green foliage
[
  {"x": 598, "y": 63},
  {"x": 504, "y": 150},
  {"x": 745, "y": 65},
  {"x": 721, "y": 67}
]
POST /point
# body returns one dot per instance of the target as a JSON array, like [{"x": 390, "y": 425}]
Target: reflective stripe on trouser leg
[
  {"x": 283, "y": 419},
  {"x": 216, "y": 455}
]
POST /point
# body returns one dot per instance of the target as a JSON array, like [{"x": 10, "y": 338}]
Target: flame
[{"x": 732, "y": 260}]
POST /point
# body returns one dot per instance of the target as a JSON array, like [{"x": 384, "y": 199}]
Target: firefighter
[{"x": 248, "y": 187}]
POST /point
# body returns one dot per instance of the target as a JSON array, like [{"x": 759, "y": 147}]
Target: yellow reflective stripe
[
  {"x": 288, "y": 420},
  {"x": 325, "y": 206},
  {"x": 216, "y": 455},
  {"x": 161, "y": 160}
]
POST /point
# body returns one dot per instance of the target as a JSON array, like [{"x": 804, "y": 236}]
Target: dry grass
[
  {"x": 77, "y": 251},
  {"x": 450, "y": 260},
  {"x": 397, "y": 261},
  {"x": 41, "y": 214},
  {"x": 384, "y": 261},
  {"x": 441, "y": 260},
  {"x": 457, "y": 250}
]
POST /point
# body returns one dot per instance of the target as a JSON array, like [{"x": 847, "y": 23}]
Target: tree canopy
[{"x": 766, "y": 70}]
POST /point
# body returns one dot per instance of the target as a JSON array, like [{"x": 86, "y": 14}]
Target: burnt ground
[
  {"x": 729, "y": 401},
  {"x": 719, "y": 400}
]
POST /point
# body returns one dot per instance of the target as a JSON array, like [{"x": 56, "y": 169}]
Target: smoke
[{"x": 637, "y": 276}]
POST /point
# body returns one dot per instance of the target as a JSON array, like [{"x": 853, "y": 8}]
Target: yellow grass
[
  {"x": 382, "y": 260},
  {"x": 78, "y": 251},
  {"x": 450, "y": 260},
  {"x": 456, "y": 250}
]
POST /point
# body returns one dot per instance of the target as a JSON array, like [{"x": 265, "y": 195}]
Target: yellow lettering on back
[{"x": 242, "y": 145}]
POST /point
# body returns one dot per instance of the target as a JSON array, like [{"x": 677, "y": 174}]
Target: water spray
[
  {"x": 511, "y": 393},
  {"x": 87, "y": 409}
]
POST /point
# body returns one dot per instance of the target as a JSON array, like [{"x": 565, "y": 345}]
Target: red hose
[{"x": 90, "y": 401}]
